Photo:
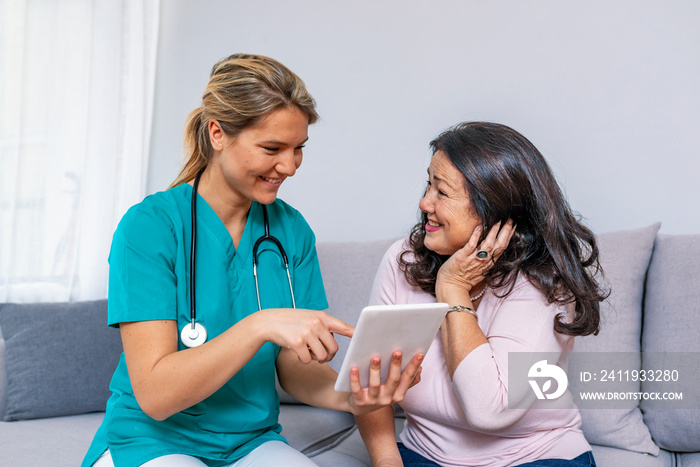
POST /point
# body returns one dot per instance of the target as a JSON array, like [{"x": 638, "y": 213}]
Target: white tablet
[{"x": 384, "y": 329}]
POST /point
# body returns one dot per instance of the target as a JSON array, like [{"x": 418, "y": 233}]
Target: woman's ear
[{"x": 216, "y": 135}]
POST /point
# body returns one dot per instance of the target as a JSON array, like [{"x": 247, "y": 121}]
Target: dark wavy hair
[{"x": 506, "y": 177}]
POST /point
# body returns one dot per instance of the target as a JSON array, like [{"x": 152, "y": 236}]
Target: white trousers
[{"x": 265, "y": 455}]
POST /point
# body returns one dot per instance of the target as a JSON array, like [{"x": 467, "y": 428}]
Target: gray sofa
[{"x": 56, "y": 361}]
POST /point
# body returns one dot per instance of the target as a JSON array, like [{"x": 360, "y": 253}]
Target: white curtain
[{"x": 76, "y": 99}]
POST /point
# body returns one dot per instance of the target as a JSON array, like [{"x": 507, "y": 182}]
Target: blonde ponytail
[{"x": 242, "y": 90}]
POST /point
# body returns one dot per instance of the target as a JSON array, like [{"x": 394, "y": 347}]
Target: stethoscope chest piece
[{"x": 193, "y": 336}]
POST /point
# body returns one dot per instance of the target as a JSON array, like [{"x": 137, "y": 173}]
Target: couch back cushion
[
  {"x": 348, "y": 270},
  {"x": 624, "y": 257},
  {"x": 671, "y": 341},
  {"x": 59, "y": 358}
]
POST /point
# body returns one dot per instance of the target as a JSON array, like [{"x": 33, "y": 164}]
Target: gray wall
[{"x": 609, "y": 91}]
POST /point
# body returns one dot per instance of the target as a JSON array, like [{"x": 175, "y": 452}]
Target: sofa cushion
[
  {"x": 349, "y": 452},
  {"x": 671, "y": 308},
  {"x": 624, "y": 257},
  {"x": 312, "y": 430},
  {"x": 611, "y": 457},
  {"x": 48, "y": 442},
  {"x": 689, "y": 460},
  {"x": 59, "y": 358}
]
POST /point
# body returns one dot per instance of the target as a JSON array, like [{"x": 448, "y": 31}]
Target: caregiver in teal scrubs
[{"x": 215, "y": 404}]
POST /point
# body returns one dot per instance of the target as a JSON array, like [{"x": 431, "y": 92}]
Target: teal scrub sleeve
[{"x": 142, "y": 282}]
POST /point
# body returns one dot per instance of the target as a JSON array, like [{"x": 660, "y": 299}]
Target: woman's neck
[{"x": 231, "y": 208}]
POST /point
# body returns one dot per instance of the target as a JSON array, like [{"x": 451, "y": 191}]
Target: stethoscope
[{"x": 194, "y": 334}]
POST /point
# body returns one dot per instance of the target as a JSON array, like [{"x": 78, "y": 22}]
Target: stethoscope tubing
[
  {"x": 197, "y": 334},
  {"x": 193, "y": 249},
  {"x": 285, "y": 261}
]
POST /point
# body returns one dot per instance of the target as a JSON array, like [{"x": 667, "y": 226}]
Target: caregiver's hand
[
  {"x": 467, "y": 266},
  {"x": 377, "y": 395},
  {"x": 309, "y": 333}
]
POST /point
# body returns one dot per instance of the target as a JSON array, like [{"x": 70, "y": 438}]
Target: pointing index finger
[{"x": 338, "y": 326}]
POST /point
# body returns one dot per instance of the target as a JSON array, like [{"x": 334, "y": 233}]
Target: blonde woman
[{"x": 198, "y": 388}]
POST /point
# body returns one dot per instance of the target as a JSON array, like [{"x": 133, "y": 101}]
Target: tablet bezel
[{"x": 379, "y": 332}]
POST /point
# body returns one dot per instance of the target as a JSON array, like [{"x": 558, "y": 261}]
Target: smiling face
[
  {"x": 451, "y": 217},
  {"x": 253, "y": 164}
]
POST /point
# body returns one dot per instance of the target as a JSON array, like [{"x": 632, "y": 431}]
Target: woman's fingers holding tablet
[
  {"x": 394, "y": 378},
  {"x": 377, "y": 395},
  {"x": 375, "y": 378},
  {"x": 416, "y": 379},
  {"x": 411, "y": 375}
]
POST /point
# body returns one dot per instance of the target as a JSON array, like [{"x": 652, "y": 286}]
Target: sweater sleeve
[{"x": 521, "y": 322}]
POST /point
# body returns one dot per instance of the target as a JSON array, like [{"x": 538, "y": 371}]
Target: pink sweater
[{"x": 466, "y": 421}]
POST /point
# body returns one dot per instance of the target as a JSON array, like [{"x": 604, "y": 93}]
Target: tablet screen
[{"x": 384, "y": 329}]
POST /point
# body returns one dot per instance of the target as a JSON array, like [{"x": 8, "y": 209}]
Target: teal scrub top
[{"x": 149, "y": 280}]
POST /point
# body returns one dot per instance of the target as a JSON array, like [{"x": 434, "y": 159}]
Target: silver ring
[{"x": 482, "y": 254}]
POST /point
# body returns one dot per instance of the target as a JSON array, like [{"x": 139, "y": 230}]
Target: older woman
[{"x": 498, "y": 242}]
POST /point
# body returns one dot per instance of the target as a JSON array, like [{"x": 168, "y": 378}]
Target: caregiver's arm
[{"x": 167, "y": 380}]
